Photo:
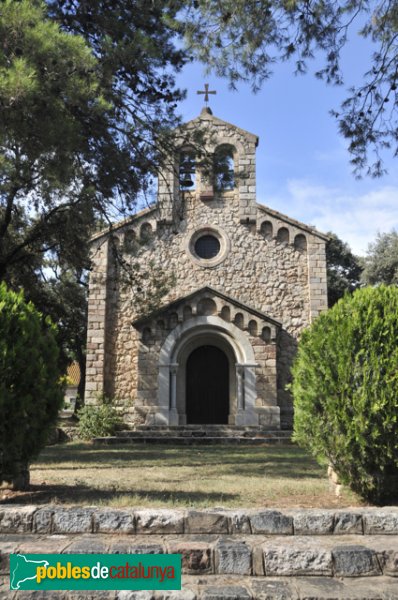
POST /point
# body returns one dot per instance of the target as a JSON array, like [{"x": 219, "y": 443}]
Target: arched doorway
[
  {"x": 207, "y": 386},
  {"x": 190, "y": 335}
]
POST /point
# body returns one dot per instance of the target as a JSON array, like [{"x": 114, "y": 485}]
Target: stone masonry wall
[{"x": 271, "y": 263}]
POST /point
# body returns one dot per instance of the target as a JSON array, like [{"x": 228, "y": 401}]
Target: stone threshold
[
  {"x": 238, "y": 588},
  {"x": 55, "y": 519}
]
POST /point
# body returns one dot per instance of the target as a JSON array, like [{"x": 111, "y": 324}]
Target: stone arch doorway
[
  {"x": 207, "y": 386},
  {"x": 180, "y": 343}
]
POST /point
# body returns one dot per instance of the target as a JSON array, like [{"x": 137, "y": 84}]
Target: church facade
[{"x": 244, "y": 282}]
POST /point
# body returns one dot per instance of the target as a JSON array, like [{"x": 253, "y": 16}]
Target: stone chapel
[{"x": 246, "y": 280}]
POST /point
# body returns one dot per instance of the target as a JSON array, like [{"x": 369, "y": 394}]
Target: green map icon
[{"x": 23, "y": 570}]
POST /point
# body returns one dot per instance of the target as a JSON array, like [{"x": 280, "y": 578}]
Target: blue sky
[{"x": 303, "y": 167}]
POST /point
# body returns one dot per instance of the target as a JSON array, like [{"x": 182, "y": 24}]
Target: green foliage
[
  {"x": 244, "y": 39},
  {"x": 381, "y": 262},
  {"x": 30, "y": 389},
  {"x": 345, "y": 388},
  {"x": 85, "y": 90},
  {"x": 97, "y": 421},
  {"x": 343, "y": 269}
]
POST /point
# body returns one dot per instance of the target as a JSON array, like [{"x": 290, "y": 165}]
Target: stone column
[
  {"x": 168, "y": 191},
  {"x": 246, "y": 170},
  {"x": 240, "y": 388},
  {"x": 246, "y": 394},
  {"x": 317, "y": 279},
  {"x": 96, "y": 326},
  {"x": 173, "y": 416},
  {"x": 165, "y": 411}
]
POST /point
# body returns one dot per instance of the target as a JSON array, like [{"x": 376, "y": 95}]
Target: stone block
[
  {"x": 8, "y": 545},
  {"x": 49, "y": 544},
  {"x": 207, "y": 522},
  {"x": 381, "y": 522},
  {"x": 271, "y": 522},
  {"x": 240, "y": 522},
  {"x": 257, "y": 560},
  {"x": 120, "y": 546},
  {"x": 87, "y": 545},
  {"x": 313, "y": 523},
  {"x": 184, "y": 594},
  {"x": 5, "y": 593},
  {"x": 233, "y": 557},
  {"x": 196, "y": 556},
  {"x": 16, "y": 520},
  {"x": 323, "y": 588},
  {"x": 91, "y": 386},
  {"x": 295, "y": 560},
  {"x": 269, "y": 416},
  {"x": 273, "y": 589},
  {"x": 355, "y": 561},
  {"x": 348, "y": 522},
  {"x": 42, "y": 520},
  {"x": 131, "y": 595},
  {"x": 73, "y": 520},
  {"x": 159, "y": 521},
  {"x": 225, "y": 592},
  {"x": 388, "y": 561},
  {"x": 114, "y": 521},
  {"x": 137, "y": 548}
]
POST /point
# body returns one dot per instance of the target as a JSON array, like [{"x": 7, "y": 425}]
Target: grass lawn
[{"x": 163, "y": 476}]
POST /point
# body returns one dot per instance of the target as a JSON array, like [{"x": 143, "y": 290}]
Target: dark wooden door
[{"x": 207, "y": 386}]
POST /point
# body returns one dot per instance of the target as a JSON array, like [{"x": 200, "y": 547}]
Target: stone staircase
[
  {"x": 346, "y": 554},
  {"x": 198, "y": 434}
]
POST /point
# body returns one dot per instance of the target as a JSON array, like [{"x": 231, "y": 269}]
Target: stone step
[
  {"x": 238, "y": 588},
  {"x": 197, "y": 434},
  {"x": 209, "y": 427},
  {"x": 345, "y": 554},
  {"x": 244, "y": 556},
  {"x": 214, "y": 431},
  {"x": 190, "y": 441},
  {"x": 322, "y": 523}
]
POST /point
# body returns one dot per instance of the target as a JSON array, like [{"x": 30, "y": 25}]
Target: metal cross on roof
[{"x": 206, "y": 92}]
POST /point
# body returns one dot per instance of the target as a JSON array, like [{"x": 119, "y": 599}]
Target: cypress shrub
[
  {"x": 345, "y": 389},
  {"x": 30, "y": 389}
]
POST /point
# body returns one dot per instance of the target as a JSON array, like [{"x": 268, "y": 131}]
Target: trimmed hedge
[
  {"x": 345, "y": 389},
  {"x": 30, "y": 390}
]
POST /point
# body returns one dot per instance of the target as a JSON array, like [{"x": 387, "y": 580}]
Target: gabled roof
[
  {"x": 148, "y": 211},
  {"x": 299, "y": 224},
  {"x": 206, "y": 290},
  {"x": 120, "y": 224},
  {"x": 207, "y": 115}
]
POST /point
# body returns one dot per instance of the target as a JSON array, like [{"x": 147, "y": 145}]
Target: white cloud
[{"x": 355, "y": 217}]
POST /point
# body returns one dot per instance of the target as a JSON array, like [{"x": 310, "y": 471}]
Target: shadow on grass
[
  {"x": 243, "y": 461},
  {"x": 80, "y": 494},
  {"x": 271, "y": 471},
  {"x": 91, "y": 453},
  {"x": 86, "y": 452}
]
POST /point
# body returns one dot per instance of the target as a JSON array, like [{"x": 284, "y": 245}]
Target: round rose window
[{"x": 207, "y": 246}]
